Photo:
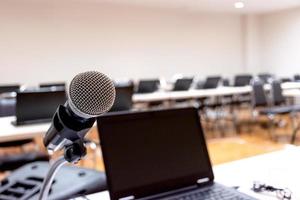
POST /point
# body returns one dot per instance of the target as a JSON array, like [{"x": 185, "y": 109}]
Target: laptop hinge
[
  {"x": 127, "y": 198},
  {"x": 203, "y": 180}
]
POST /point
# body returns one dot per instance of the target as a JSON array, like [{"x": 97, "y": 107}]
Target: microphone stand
[{"x": 72, "y": 154}]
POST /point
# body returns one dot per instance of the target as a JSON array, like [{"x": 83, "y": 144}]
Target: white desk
[
  {"x": 292, "y": 93},
  {"x": 190, "y": 94},
  {"x": 290, "y": 85},
  {"x": 281, "y": 168},
  {"x": 9, "y": 132},
  {"x": 200, "y": 93}
]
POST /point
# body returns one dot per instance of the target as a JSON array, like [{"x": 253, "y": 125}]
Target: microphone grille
[{"x": 92, "y": 93}]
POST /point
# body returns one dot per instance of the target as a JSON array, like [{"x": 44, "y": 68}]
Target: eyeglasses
[{"x": 282, "y": 194}]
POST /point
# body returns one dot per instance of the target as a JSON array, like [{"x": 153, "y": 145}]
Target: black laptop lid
[
  {"x": 34, "y": 106},
  {"x": 9, "y": 88},
  {"x": 151, "y": 152}
]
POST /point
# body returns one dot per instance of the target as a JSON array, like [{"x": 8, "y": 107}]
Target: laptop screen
[
  {"x": 146, "y": 153},
  {"x": 34, "y": 106}
]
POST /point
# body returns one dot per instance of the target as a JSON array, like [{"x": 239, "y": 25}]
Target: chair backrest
[
  {"x": 200, "y": 84},
  {"x": 297, "y": 77},
  {"x": 148, "y": 86},
  {"x": 9, "y": 88},
  {"x": 7, "y": 107},
  {"x": 242, "y": 80},
  {"x": 123, "y": 99},
  {"x": 276, "y": 93},
  {"x": 265, "y": 77},
  {"x": 226, "y": 82},
  {"x": 183, "y": 84},
  {"x": 259, "y": 97},
  {"x": 212, "y": 82}
]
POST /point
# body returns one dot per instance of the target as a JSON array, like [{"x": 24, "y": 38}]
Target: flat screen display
[
  {"x": 38, "y": 106},
  {"x": 151, "y": 152}
]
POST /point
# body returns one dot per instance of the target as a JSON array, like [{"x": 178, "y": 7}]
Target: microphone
[{"x": 90, "y": 95}]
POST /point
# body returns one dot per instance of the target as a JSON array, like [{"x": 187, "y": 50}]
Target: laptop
[
  {"x": 37, "y": 106},
  {"x": 158, "y": 154},
  {"x": 9, "y": 88}
]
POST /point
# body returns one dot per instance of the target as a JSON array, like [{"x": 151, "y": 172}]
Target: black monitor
[
  {"x": 265, "y": 77},
  {"x": 148, "y": 86},
  {"x": 61, "y": 85},
  {"x": 153, "y": 151},
  {"x": 242, "y": 80},
  {"x": 9, "y": 88},
  {"x": 183, "y": 84},
  {"x": 123, "y": 100},
  {"x": 37, "y": 106},
  {"x": 212, "y": 82}
]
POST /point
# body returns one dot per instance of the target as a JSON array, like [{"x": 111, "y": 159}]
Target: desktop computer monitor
[
  {"x": 9, "y": 88},
  {"x": 37, "y": 106}
]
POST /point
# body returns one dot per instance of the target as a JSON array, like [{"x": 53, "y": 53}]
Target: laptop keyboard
[{"x": 211, "y": 193}]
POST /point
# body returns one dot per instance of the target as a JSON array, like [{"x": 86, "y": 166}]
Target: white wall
[
  {"x": 280, "y": 42},
  {"x": 252, "y": 41},
  {"x": 50, "y": 40}
]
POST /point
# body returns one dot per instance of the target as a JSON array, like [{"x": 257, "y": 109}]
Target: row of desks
[
  {"x": 202, "y": 93},
  {"x": 9, "y": 132}
]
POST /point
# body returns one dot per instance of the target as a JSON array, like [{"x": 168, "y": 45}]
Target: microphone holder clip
[{"x": 75, "y": 151}]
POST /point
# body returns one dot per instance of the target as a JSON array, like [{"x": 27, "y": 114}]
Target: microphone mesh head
[{"x": 92, "y": 93}]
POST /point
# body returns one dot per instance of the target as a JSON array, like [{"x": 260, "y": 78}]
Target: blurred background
[{"x": 236, "y": 61}]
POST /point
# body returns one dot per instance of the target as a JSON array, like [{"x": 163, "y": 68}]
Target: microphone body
[
  {"x": 65, "y": 128},
  {"x": 90, "y": 95}
]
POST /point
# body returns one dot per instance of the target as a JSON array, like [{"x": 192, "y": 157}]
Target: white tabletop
[
  {"x": 190, "y": 94},
  {"x": 290, "y": 85},
  {"x": 280, "y": 168},
  {"x": 10, "y": 132},
  {"x": 292, "y": 93},
  {"x": 200, "y": 93}
]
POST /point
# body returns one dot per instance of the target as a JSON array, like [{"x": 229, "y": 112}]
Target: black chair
[
  {"x": 7, "y": 107},
  {"x": 265, "y": 77},
  {"x": 262, "y": 106},
  {"x": 183, "y": 84},
  {"x": 123, "y": 100},
  {"x": 211, "y": 82},
  {"x": 226, "y": 82},
  {"x": 242, "y": 80},
  {"x": 148, "y": 86},
  {"x": 297, "y": 77},
  {"x": 276, "y": 93},
  {"x": 279, "y": 99}
]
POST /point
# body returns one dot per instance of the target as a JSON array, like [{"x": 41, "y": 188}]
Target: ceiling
[{"x": 251, "y": 6}]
